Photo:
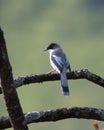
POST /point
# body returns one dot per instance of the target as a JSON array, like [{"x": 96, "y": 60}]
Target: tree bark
[
  {"x": 9, "y": 91},
  {"x": 80, "y": 74},
  {"x": 57, "y": 115}
]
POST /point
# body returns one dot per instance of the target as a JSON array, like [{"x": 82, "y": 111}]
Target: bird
[{"x": 60, "y": 64}]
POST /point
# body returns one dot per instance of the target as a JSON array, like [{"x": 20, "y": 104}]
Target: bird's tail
[{"x": 64, "y": 84}]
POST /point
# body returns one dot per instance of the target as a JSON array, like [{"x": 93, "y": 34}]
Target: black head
[{"x": 53, "y": 46}]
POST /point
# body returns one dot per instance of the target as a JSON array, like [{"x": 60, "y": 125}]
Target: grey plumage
[
  {"x": 59, "y": 63},
  {"x": 64, "y": 84}
]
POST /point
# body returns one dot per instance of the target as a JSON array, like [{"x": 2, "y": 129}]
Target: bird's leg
[
  {"x": 69, "y": 69},
  {"x": 51, "y": 71}
]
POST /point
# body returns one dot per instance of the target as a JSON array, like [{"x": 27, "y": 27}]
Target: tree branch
[
  {"x": 57, "y": 115},
  {"x": 81, "y": 74},
  {"x": 10, "y": 95}
]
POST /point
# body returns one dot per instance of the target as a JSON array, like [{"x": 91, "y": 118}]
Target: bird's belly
[{"x": 54, "y": 66}]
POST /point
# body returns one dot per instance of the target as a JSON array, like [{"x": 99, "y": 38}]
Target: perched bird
[{"x": 60, "y": 63}]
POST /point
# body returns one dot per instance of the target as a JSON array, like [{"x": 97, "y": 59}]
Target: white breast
[{"x": 51, "y": 62}]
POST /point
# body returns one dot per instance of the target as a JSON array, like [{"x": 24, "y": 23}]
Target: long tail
[{"x": 64, "y": 84}]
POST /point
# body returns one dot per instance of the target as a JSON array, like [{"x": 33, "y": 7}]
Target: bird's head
[{"x": 52, "y": 46}]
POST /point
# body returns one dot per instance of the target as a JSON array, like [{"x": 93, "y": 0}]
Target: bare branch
[
  {"x": 81, "y": 74},
  {"x": 57, "y": 115},
  {"x": 10, "y": 95}
]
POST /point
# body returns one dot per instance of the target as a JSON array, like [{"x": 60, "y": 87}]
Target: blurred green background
[{"x": 78, "y": 26}]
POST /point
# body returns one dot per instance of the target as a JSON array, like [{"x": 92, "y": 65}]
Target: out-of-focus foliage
[{"x": 78, "y": 26}]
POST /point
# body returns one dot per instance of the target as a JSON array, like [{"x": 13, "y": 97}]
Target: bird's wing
[{"x": 57, "y": 62}]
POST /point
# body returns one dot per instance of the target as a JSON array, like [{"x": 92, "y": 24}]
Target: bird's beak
[{"x": 45, "y": 49}]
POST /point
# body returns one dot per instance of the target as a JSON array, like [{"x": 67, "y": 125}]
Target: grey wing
[
  {"x": 66, "y": 62},
  {"x": 57, "y": 62},
  {"x": 68, "y": 65}
]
